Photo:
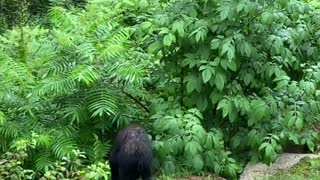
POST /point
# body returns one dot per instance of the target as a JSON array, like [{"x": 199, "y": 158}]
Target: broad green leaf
[
  {"x": 206, "y": 75},
  {"x": 269, "y": 150},
  {"x": 178, "y": 26},
  {"x": 232, "y": 65},
  {"x": 169, "y": 39},
  {"x": 215, "y": 43},
  {"x": 146, "y": 25},
  {"x": 248, "y": 78},
  {"x": 247, "y": 49},
  {"x": 278, "y": 44},
  {"x": 263, "y": 146},
  {"x": 224, "y": 13},
  {"x": 225, "y": 47},
  {"x": 219, "y": 81},
  {"x": 222, "y": 103},
  {"x": 299, "y": 123},
  {"x": 197, "y": 162},
  {"x": 154, "y": 47},
  {"x": 231, "y": 171},
  {"x": 266, "y": 18},
  {"x": 240, "y": 7},
  {"x": 310, "y": 145}
]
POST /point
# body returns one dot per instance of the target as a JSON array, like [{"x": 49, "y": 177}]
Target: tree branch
[{"x": 136, "y": 101}]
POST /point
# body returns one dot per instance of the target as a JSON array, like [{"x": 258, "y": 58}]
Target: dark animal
[{"x": 131, "y": 155}]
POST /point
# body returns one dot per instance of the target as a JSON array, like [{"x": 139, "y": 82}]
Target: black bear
[{"x": 131, "y": 155}]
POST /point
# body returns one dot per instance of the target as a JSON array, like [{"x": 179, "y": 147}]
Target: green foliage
[
  {"x": 224, "y": 81},
  {"x": 67, "y": 87},
  {"x": 11, "y": 167},
  {"x": 250, "y": 67},
  {"x": 182, "y": 143}
]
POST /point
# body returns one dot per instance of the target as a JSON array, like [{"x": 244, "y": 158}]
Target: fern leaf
[
  {"x": 56, "y": 86},
  {"x": 86, "y": 74},
  {"x": 127, "y": 72},
  {"x": 43, "y": 160},
  {"x": 63, "y": 146},
  {"x": 101, "y": 101},
  {"x": 100, "y": 149},
  {"x": 10, "y": 130},
  {"x": 77, "y": 112},
  {"x": 3, "y": 118},
  {"x": 62, "y": 19}
]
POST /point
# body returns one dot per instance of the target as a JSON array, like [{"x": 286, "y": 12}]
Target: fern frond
[
  {"x": 9, "y": 99},
  {"x": 62, "y": 19},
  {"x": 86, "y": 52},
  {"x": 59, "y": 66},
  {"x": 127, "y": 72},
  {"x": 17, "y": 74},
  {"x": 66, "y": 40},
  {"x": 102, "y": 101},
  {"x": 43, "y": 160},
  {"x": 121, "y": 35},
  {"x": 44, "y": 140},
  {"x": 77, "y": 112},
  {"x": 63, "y": 146},
  {"x": 86, "y": 74},
  {"x": 100, "y": 149},
  {"x": 59, "y": 85},
  {"x": 112, "y": 51},
  {"x": 3, "y": 118},
  {"x": 67, "y": 130},
  {"x": 10, "y": 130}
]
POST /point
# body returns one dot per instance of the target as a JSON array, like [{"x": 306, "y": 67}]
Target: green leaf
[
  {"x": 154, "y": 47},
  {"x": 247, "y": 49},
  {"x": 224, "y": 13},
  {"x": 219, "y": 81},
  {"x": 215, "y": 43},
  {"x": 2, "y": 118},
  {"x": 240, "y": 7},
  {"x": 299, "y": 123},
  {"x": 191, "y": 83},
  {"x": 310, "y": 145},
  {"x": 278, "y": 44},
  {"x": 146, "y": 25},
  {"x": 178, "y": 26},
  {"x": 197, "y": 162},
  {"x": 225, "y": 47},
  {"x": 269, "y": 150},
  {"x": 206, "y": 75},
  {"x": 192, "y": 148},
  {"x": 266, "y": 18},
  {"x": 248, "y": 78},
  {"x": 222, "y": 103},
  {"x": 263, "y": 146},
  {"x": 231, "y": 171},
  {"x": 169, "y": 39}
]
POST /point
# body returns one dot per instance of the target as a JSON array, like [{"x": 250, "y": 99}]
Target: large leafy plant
[
  {"x": 66, "y": 87},
  {"x": 182, "y": 143},
  {"x": 251, "y": 67}
]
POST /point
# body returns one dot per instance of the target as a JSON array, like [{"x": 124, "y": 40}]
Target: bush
[{"x": 11, "y": 167}]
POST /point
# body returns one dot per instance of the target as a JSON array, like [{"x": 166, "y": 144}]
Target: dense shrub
[
  {"x": 221, "y": 81},
  {"x": 250, "y": 67},
  {"x": 11, "y": 167},
  {"x": 69, "y": 86}
]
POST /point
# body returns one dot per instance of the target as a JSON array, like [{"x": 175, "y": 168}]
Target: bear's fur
[{"x": 131, "y": 155}]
